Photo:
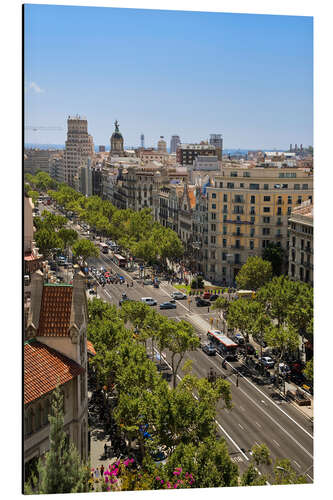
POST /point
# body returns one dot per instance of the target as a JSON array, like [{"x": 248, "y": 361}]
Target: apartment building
[
  {"x": 39, "y": 160},
  {"x": 248, "y": 208},
  {"x": 301, "y": 243},
  {"x": 174, "y": 143},
  {"x": 186, "y": 153},
  {"x": 79, "y": 147}
]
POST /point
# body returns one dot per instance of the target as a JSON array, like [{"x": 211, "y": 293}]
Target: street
[{"x": 255, "y": 416}]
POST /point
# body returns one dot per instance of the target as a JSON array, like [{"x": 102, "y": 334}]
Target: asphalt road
[{"x": 255, "y": 416}]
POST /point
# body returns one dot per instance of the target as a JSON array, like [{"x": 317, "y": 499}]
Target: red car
[
  {"x": 206, "y": 295},
  {"x": 107, "y": 275}
]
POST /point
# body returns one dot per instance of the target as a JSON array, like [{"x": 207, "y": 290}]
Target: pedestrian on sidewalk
[
  {"x": 105, "y": 450},
  {"x": 102, "y": 471}
]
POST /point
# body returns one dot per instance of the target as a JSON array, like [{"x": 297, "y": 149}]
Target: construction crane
[{"x": 28, "y": 127}]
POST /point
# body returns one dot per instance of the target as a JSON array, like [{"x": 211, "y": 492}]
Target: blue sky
[{"x": 246, "y": 76}]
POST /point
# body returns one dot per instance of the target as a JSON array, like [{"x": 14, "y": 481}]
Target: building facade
[
  {"x": 78, "y": 148},
  {"x": 248, "y": 208},
  {"x": 174, "y": 143},
  {"x": 301, "y": 243},
  {"x": 186, "y": 153},
  {"x": 116, "y": 142},
  {"x": 55, "y": 352}
]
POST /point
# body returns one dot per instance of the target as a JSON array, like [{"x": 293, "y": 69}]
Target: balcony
[
  {"x": 236, "y": 200},
  {"x": 278, "y": 235},
  {"x": 237, "y": 234},
  {"x": 237, "y": 247},
  {"x": 279, "y": 223}
]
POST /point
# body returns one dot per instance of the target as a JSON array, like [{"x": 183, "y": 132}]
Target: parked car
[
  {"x": 284, "y": 369},
  {"x": 213, "y": 297},
  {"x": 250, "y": 349},
  {"x": 148, "y": 282},
  {"x": 206, "y": 295},
  {"x": 209, "y": 349},
  {"x": 179, "y": 295},
  {"x": 156, "y": 284},
  {"x": 202, "y": 303},
  {"x": 167, "y": 305},
  {"x": 267, "y": 361},
  {"x": 149, "y": 301}
]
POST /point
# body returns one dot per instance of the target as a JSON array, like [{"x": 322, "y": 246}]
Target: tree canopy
[{"x": 254, "y": 274}]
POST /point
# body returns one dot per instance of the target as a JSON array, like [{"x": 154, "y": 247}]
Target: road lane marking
[
  {"x": 276, "y": 443},
  {"x": 241, "y": 427},
  {"x": 258, "y": 424},
  {"x": 219, "y": 425},
  {"x": 298, "y": 465},
  {"x": 309, "y": 476},
  {"x": 272, "y": 402}
]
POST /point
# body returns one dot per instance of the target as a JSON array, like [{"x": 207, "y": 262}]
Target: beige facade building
[
  {"x": 248, "y": 208},
  {"x": 79, "y": 147},
  {"x": 301, "y": 243}
]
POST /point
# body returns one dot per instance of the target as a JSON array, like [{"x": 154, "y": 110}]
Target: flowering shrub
[{"x": 179, "y": 480}]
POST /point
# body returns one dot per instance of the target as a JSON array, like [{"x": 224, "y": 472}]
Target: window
[
  {"x": 299, "y": 200},
  {"x": 251, "y": 244},
  {"x": 265, "y": 231},
  {"x": 224, "y": 256},
  {"x": 224, "y": 229},
  {"x": 246, "y": 174},
  {"x": 293, "y": 255},
  {"x": 292, "y": 270},
  {"x": 267, "y": 198},
  {"x": 241, "y": 185},
  {"x": 213, "y": 216},
  {"x": 301, "y": 273},
  {"x": 213, "y": 239},
  {"x": 252, "y": 231},
  {"x": 238, "y": 198},
  {"x": 302, "y": 258},
  {"x": 267, "y": 209},
  {"x": 238, "y": 218},
  {"x": 253, "y": 199},
  {"x": 237, "y": 258},
  {"x": 252, "y": 211},
  {"x": 297, "y": 186},
  {"x": 254, "y": 186},
  {"x": 279, "y": 212},
  {"x": 305, "y": 186},
  {"x": 225, "y": 209},
  {"x": 224, "y": 243},
  {"x": 225, "y": 198},
  {"x": 266, "y": 187},
  {"x": 230, "y": 185},
  {"x": 290, "y": 201},
  {"x": 302, "y": 244},
  {"x": 224, "y": 270},
  {"x": 284, "y": 186},
  {"x": 221, "y": 184},
  {"x": 213, "y": 206},
  {"x": 213, "y": 227},
  {"x": 293, "y": 241},
  {"x": 212, "y": 268},
  {"x": 289, "y": 211},
  {"x": 213, "y": 195},
  {"x": 233, "y": 174},
  {"x": 238, "y": 231},
  {"x": 212, "y": 254},
  {"x": 253, "y": 219},
  {"x": 266, "y": 220},
  {"x": 224, "y": 217},
  {"x": 237, "y": 244}
]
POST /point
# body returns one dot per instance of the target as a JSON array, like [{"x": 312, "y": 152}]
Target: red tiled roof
[
  {"x": 44, "y": 368},
  {"x": 90, "y": 348},
  {"x": 55, "y": 311}
]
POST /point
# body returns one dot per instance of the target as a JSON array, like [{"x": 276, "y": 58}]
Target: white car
[
  {"x": 178, "y": 295},
  {"x": 267, "y": 361},
  {"x": 284, "y": 369},
  {"x": 149, "y": 301}
]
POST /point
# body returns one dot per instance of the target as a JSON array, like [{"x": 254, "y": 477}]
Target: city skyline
[{"x": 245, "y": 76}]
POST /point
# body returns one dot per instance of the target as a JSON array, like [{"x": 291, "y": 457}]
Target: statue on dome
[{"x": 116, "y": 124}]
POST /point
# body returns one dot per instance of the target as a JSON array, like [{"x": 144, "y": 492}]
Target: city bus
[
  {"x": 225, "y": 346},
  {"x": 104, "y": 248},
  {"x": 119, "y": 260}
]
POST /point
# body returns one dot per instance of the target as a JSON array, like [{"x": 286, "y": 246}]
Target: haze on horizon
[{"x": 246, "y": 76}]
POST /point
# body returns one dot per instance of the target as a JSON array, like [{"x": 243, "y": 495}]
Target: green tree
[
  {"x": 283, "y": 338},
  {"x": 254, "y": 274},
  {"x": 62, "y": 471},
  {"x": 209, "y": 463},
  {"x": 277, "y": 297},
  {"x": 238, "y": 317},
  {"x": 67, "y": 236},
  {"x": 274, "y": 254},
  {"x": 221, "y": 304},
  {"x": 85, "y": 248},
  {"x": 308, "y": 370},
  {"x": 47, "y": 240},
  {"x": 258, "y": 322},
  {"x": 285, "y": 474},
  {"x": 178, "y": 337},
  {"x": 33, "y": 195}
]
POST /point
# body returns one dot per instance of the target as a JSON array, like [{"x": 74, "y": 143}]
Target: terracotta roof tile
[
  {"x": 55, "y": 311},
  {"x": 90, "y": 348},
  {"x": 44, "y": 368}
]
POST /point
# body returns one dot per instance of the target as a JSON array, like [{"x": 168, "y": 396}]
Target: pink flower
[
  {"x": 126, "y": 462},
  {"x": 176, "y": 485},
  {"x": 168, "y": 485},
  {"x": 108, "y": 488},
  {"x": 162, "y": 481},
  {"x": 157, "y": 478},
  {"x": 106, "y": 479},
  {"x": 131, "y": 460}
]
